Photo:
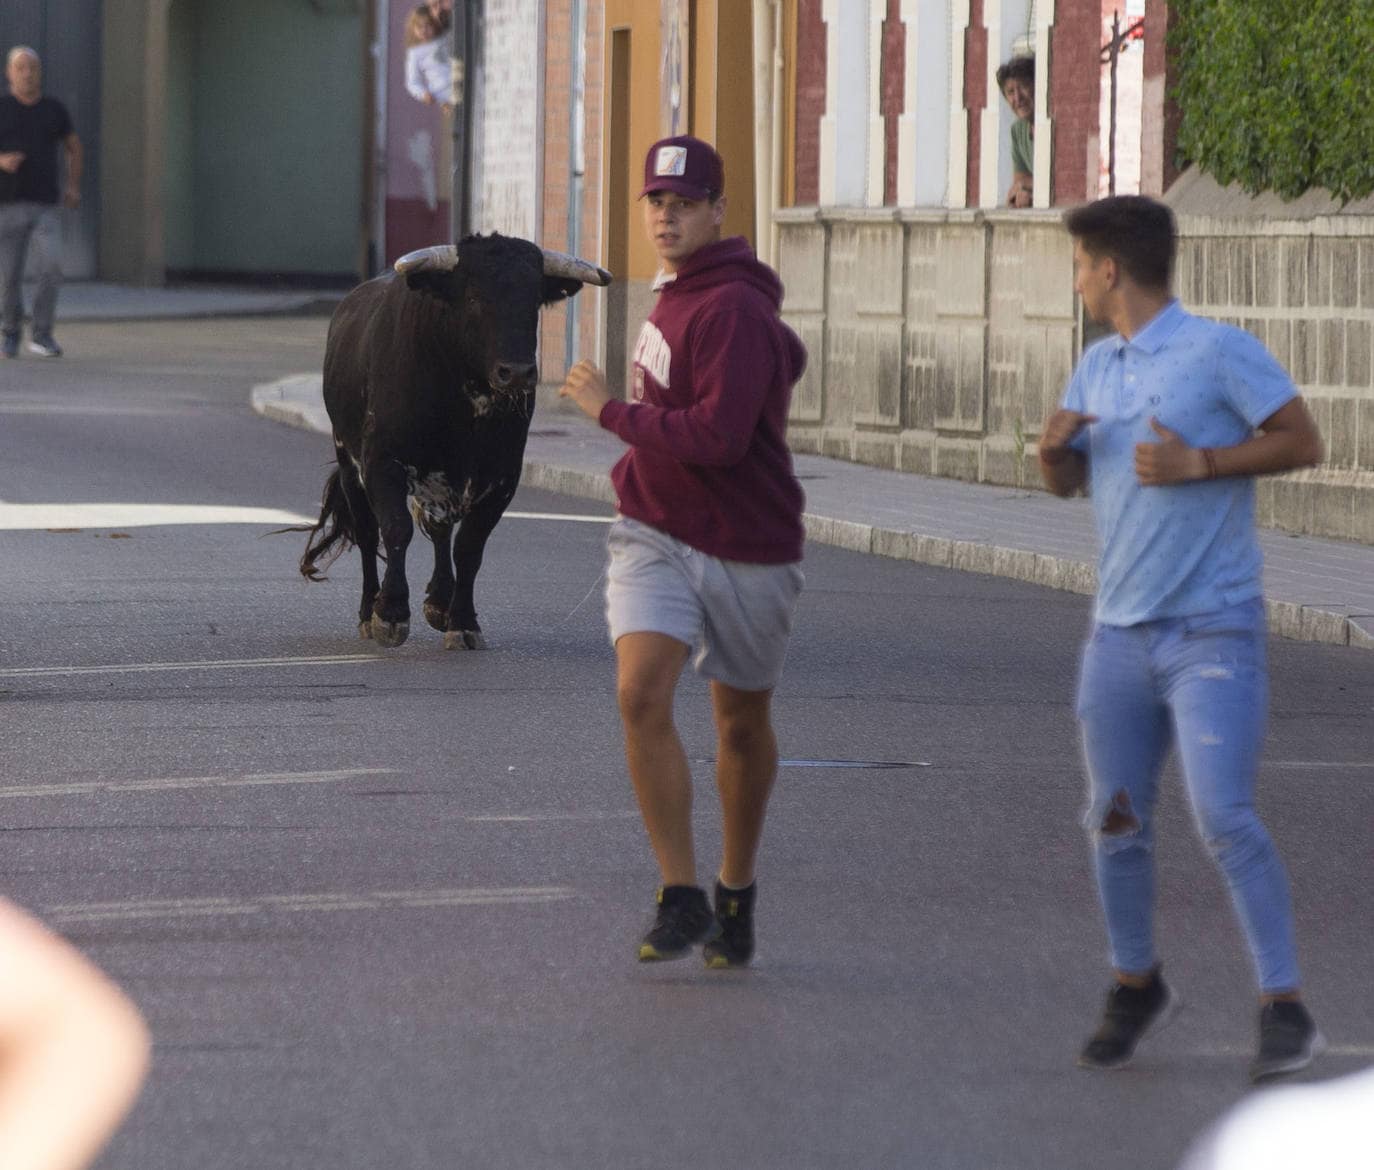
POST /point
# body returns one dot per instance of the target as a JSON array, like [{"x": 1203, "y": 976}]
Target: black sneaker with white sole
[
  {"x": 1130, "y": 1013},
  {"x": 684, "y": 919},
  {"x": 735, "y": 913},
  {"x": 1288, "y": 1040},
  {"x": 44, "y": 345}
]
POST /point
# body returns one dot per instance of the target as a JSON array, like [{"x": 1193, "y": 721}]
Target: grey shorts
[{"x": 736, "y": 616}]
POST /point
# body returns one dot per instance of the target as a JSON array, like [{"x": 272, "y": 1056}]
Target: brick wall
[
  {"x": 1159, "y": 115},
  {"x": 811, "y": 59},
  {"x": 893, "y": 93},
  {"x": 558, "y": 50},
  {"x": 1075, "y": 85},
  {"x": 589, "y": 313},
  {"x": 975, "y": 94}
]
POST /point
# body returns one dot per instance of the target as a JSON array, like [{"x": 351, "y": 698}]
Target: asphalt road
[{"x": 381, "y": 908}]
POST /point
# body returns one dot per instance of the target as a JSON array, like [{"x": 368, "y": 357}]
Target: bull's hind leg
[
  {"x": 386, "y": 491},
  {"x": 439, "y": 591},
  {"x": 365, "y": 537}
]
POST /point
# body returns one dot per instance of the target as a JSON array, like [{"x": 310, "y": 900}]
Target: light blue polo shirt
[{"x": 1187, "y": 548}]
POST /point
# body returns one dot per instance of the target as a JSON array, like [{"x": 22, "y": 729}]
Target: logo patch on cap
[{"x": 672, "y": 160}]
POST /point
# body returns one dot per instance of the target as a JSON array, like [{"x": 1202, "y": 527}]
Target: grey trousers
[{"x": 23, "y": 224}]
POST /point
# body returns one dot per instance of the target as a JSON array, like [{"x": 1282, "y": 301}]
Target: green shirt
[{"x": 1022, "y": 147}]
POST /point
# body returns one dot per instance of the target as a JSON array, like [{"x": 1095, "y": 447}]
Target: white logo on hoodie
[{"x": 653, "y": 355}]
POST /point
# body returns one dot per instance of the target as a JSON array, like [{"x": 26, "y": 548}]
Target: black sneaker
[
  {"x": 1288, "y": 1040},
  {"x": 683, "y": 920},
  {"x": 1130, "y": 1013},
  {"x": 735, "y": 913},
  {"x": 9, "y": 344}
]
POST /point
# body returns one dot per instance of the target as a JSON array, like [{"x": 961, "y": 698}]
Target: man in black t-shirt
[{"x": 31, "y": 126}]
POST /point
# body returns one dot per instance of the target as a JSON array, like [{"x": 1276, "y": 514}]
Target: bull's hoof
[
  {"x": 436, "y": 615},
  {"x": 464, "y": 640},
  {"x": 365, "y": 631},
  {"x": 389, "y": 634}
]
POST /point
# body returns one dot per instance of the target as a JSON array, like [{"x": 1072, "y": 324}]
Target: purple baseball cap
[{"x": 685, "y": 165}]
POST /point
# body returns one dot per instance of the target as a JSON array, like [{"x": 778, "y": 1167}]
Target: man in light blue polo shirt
[{"x": 1168, "y": 422}]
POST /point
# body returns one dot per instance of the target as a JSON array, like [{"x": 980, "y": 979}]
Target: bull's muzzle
[{"x": 514, "y": 375}]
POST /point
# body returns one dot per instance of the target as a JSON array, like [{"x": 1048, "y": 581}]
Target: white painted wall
[
  {"x": 508, "y": 151},
  {"x": 923, "y": 134},
  {"x": 844, "y": 126}
]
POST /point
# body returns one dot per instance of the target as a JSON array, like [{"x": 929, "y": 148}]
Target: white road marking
[
  {"x": 575, "y": 517},
  {"x": 172, "y": 783},
  {"x": 526, "y": 818},
  {"x": 209, "y": 664},
  {"x": 42, "y": 517},
  {"x": 38, "y": 517},
  {"x": 304, "y": 903},
  {"x": 101, "y": 409},
  {"x": 1316, "y": 764},
  {"x": 1229, "y": 1050}
]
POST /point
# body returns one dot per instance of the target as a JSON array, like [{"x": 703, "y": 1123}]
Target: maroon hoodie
[{"x": 713, "y": 374}]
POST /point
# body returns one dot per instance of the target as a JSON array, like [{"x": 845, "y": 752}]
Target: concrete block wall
[
  {"x": 1306, "y": 289},
  {"x": 939, "y": 341}
]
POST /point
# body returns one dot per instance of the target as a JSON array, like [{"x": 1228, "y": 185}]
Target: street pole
[
  {"x": 466, "y": 15},
  {"x": 1111, "y": 123}
]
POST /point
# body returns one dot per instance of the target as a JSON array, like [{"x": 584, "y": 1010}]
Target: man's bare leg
[
  {"x": 746, "y": 766},
  {"x": 648, "y": 666}
]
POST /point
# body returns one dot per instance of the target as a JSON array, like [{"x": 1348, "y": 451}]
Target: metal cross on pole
[{"x": 1111, "y": 52}]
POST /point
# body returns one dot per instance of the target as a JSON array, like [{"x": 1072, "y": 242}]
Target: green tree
[{"x": 1278, "y": 95}]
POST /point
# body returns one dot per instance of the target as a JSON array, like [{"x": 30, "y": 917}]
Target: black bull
[{"x": 429, "y": 380}]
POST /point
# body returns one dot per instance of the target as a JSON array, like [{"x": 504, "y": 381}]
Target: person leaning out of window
[{"x": 1016, "y": 80}]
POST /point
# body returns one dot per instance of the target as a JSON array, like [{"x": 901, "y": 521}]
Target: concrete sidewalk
[
  {"x": 90, "y": 300},
  {"x": 1317, "y": 590}
]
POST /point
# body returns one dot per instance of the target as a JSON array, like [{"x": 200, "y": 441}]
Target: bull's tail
[{"x": 332, "y": 534}]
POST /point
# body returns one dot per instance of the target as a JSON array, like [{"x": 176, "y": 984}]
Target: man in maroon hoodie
[{"x": 705, "y": 555}]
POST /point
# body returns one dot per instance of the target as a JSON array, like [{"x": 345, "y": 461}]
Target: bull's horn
[
  {"x": 443, "y": 257},
  {"x": 561, "y": 264}
]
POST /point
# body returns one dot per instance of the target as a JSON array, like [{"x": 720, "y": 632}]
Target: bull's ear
[{"x": 558, "y": 288}]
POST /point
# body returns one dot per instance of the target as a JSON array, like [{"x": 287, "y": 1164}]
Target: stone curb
[
  {"x": 291, "y": 401},
  {"x": 1334, "y": 625}
]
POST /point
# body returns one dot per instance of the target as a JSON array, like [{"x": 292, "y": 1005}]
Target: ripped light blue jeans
[{"x": 1200, "y": 684}]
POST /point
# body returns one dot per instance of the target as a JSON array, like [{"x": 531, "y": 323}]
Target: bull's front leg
[
  {"x": 463, "y": 631},
  {"x": 386, "y": 485}
]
